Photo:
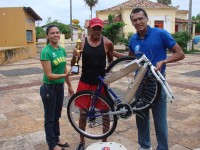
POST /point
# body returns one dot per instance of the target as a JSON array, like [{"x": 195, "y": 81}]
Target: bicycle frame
[{"x": 117, "y": 100}]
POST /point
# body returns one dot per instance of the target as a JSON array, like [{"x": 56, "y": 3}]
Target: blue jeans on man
[
  {"x": 159, "y": 112},
  {"x": 52, "y": 96}
]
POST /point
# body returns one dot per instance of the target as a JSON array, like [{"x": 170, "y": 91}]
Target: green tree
[
  {"x": 197, "y": 19},
  {"x": 91, "y": 3},
  {"x": 121, "y": 39},
  {"x": 197, "y": 27},
  {"x": 166, "y": 2},
  {"x": 40, "y": 33},
  {"x": 49, "y": 20},
  {"x": 112, "y": 30}
]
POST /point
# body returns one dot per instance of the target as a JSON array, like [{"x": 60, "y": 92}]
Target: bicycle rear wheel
[
  {"x": 147, "y": 92},
  {"x": 96, "y": 124}
]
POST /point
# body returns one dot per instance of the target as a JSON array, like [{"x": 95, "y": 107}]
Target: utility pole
[
  {"x": 71, "y": 20},
  {"x": 190, "y": 25}
]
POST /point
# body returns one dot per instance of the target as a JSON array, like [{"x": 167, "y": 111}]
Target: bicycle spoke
[
  {"x": 92, "y": 123},
  {"x": 147, "y": 90}
]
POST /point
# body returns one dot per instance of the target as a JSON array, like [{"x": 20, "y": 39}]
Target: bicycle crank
[{"x": 125, "y": 114}]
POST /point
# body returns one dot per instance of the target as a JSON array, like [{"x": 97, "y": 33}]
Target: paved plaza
[{"x": 22, "y": 116}]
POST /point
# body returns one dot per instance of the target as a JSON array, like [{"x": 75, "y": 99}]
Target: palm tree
[
  {"x": 91, "y": 3},
  {"x": 166, "y": 2}
]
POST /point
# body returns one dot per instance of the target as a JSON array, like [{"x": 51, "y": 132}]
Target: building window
[
  {"x": 158, "y": 24},
  {"x": 29, "y": 35}
]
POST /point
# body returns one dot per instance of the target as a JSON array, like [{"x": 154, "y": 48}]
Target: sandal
[{"x": 63, "y": 145}]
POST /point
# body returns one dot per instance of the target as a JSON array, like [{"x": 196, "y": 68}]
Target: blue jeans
[
  {"x": 52, "y": 96},
  {"x": 159, "y": 112}
]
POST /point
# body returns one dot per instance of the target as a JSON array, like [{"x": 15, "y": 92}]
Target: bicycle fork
[{"x": 164, "y": 84}]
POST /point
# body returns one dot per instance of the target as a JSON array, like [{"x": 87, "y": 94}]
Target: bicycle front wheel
[{"x": 90, "y": 115}]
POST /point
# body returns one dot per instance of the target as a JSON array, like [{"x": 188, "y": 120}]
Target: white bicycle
[{"x": 131, "y": 84}]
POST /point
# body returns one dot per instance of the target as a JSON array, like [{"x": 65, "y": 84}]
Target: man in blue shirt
[{"x": 153, "y": 42}]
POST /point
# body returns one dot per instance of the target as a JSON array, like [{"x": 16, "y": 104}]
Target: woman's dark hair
[
  {"x": 137, "y": 10},
  {"x": 48, "y": 28}
]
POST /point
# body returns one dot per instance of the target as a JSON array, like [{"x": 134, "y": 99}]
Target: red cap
[{"x": 96, "y": 22}]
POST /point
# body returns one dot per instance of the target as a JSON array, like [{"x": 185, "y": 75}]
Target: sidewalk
[{"x": 21, "y": 109}]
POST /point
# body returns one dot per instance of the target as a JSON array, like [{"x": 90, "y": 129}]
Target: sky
[{"x": 60, "y": 9}]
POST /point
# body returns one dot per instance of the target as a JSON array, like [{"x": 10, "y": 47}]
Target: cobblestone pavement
[{"x": 21, "y": 110}]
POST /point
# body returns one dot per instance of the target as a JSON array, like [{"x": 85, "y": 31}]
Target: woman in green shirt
[{"x": 53, "y": 60}]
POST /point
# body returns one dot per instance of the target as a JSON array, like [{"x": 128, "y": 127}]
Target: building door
[
  {"x": 159, "y": 24},
  {"x": 176, "y": 28}
]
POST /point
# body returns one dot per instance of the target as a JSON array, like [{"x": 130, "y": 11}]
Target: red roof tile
[
  {"x": 179, "y": 20},
  {"x": 137, "y": 3}
]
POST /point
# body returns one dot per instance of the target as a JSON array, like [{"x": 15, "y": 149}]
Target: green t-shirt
[{"x": 58, "y": 62}]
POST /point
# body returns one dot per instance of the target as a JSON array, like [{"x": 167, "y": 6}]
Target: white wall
[{"x": 166, "y": 20}]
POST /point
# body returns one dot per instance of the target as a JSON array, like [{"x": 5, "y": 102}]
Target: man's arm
[
  {"x": 109, "y": 48},
  {"x": 119, "y": 55},
  {"x": 177, "y": 55}
]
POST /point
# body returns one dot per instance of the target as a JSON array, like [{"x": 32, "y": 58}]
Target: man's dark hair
[{"x": 137, "y": 10}]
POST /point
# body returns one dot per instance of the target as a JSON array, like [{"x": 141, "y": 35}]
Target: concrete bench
[{"x": 11, "y": 54}]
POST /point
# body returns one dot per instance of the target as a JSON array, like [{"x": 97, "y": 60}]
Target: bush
[
  {"x": 40, "y": 33},
  {"x": 122, "y": 40},
  {"x": 112, "y": 29},
  {"x": 182, "y": 38}
]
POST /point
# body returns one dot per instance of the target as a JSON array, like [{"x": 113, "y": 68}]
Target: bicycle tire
[
  {"x": 147, "y": 94},
  {"x": 149, "y": 85},
  {"x": 75, "y": 107}
]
